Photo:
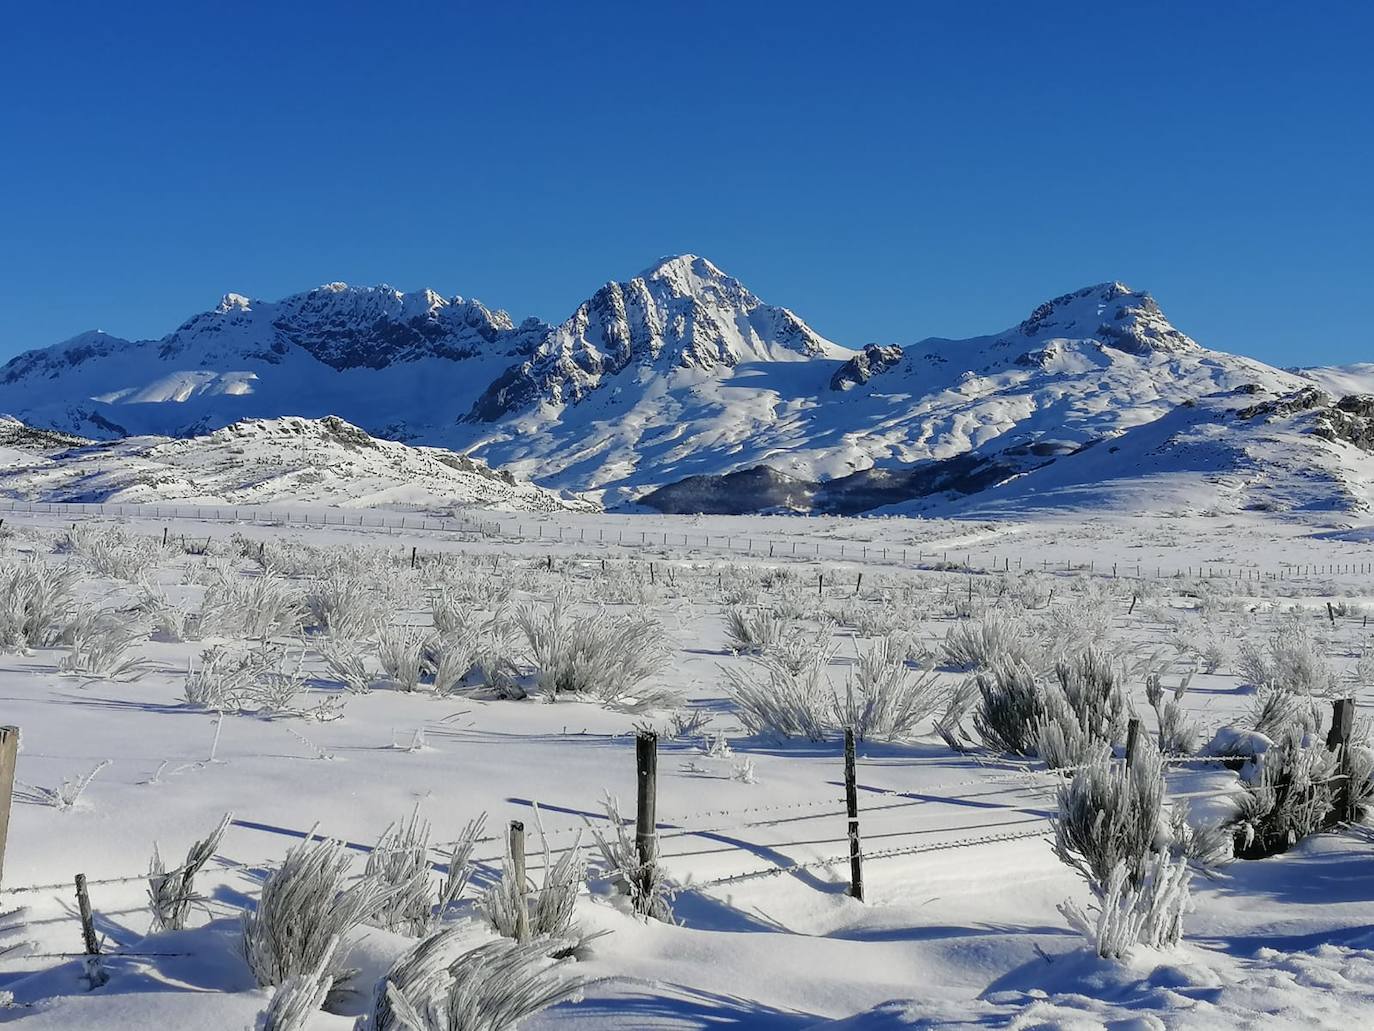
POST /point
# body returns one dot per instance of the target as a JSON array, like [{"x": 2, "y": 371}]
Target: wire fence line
[{"x": 919, "y": 556}]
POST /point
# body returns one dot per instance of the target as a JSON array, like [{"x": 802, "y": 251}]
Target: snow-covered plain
[{"x": 961, "y": 936}]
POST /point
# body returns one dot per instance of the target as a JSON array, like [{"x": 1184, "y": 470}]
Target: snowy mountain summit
[{"x": 662, "y": 389}]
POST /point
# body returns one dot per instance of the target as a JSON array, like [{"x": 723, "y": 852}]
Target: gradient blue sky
[{"x": 889, "y": 171}]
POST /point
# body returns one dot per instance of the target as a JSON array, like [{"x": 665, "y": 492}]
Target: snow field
[{"x": 774, "y": 941}]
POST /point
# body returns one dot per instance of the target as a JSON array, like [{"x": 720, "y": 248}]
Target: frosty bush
[
  {"x": 549, "y": 906},
  {"x": 299, "y": 997},
  {"x": 605, "y": 657},
  {"x": 347, "y": 663},
  {"x": 170, "y": 622},
  {"x": 886, "y": 699},
  {"x": 799, "y": 647},
  {"x": 771, "y": 698},
  {"x": 1292, "y": 795},
  {"x": 400, "y": 861},
  {"x": 172, "y": 893},
  {"x": 1129, "y": 913},
  {"x": 34, "y": 599},
  {"x": 305, "y": 906},
  {"x": 1109, "y": 814},
  {"x": 490, "y": 988},
  {"x": 752, "y": 632},
  {"x": 264, "y": 680},
  {"x": 1083, "y": 713},
  {"x": 1178, "y": 732},
  {"x": 1010, "y": 707},
  {"x": 1291, "y": 660},
  {"x": 100, "y": 642},
  {"x": 343, "y": 605},
  {"x": 645, "y": 884},
  {"x": 982, "y": 644},
  {"x": 401, "y": 652},
  {"x": 257, "y": 607},
  {"x": 115, "y": 553}
]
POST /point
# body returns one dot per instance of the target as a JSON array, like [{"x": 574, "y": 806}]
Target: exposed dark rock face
[
  {"x": 762, "y": 489},
  {"x": 873, "y": 360}
]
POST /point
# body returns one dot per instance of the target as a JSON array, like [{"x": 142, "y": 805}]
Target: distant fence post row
[{"x": 937, "y": 560}]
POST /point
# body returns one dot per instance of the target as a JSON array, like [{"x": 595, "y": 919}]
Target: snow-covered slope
[
  {"x": 678, "y": 374},
  {"x": 1245, "y": 450},
  {"x": 326, "y": 461}
]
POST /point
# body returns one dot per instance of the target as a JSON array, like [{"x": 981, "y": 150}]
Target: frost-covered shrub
[
  {"x": 172, "y": 893},
  {"x": 1178, "y": 732},
  {"x": 800, "y": 646},
  {"x": 401, "y": 652},
  {"x": 885, "y": 698},
  {"x": 305, "y": 906},
  {"x": 1009, "y": 709},
  {"x": 258, "y": 680},
  {"x": 982, "y": 644},
  {"x": 1083, "y": 712},
  {"x": 1076, "y": 625},
  {"x": 1291, "y": 660},
  {"x": 605, "y": 657},
  {"x": 99, "y": 643},
  {"x": 644, "y": 884},
  {"x": 1208, "y": 846},
  {"x": 751, "y": 632},
  {"x": 771, "y": 698},
  {"x": 35, "y": 598},
  {"x": 343, "y": 605},
  {"x": 490, "y": 988},
  {"x": 400, "y": 861},
  {"x": 1109, "y": 813},
  {"x": 298, "y": 998},
  {"x": 1292, "y": 795},
  {"x": 257, "y": 607},
  {"x": 549, "y": 905},
  {"x": 347, "y": 663},
  {"x": 170, "y": 622},
  {"x": 115, "y": 553},
  {"x": 1145, "y": 911}
]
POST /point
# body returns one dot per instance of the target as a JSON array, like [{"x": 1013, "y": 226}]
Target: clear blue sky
[{"x": 889, "y": 171}]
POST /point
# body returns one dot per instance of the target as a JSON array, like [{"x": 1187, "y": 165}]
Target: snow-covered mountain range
[{"x": 681, "y": 389}]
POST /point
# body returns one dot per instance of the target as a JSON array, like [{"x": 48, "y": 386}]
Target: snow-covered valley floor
[{"x": 960, "y": 926}]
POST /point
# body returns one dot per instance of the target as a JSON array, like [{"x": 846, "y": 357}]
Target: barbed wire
[{"x": 774, "y": 871}]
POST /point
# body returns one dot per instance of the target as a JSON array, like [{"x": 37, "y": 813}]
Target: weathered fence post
[
  {"x": 1338, "y": 741},
  {"x": 851, "y": 804},
  {"x": 83, "y": 903},
  {"x": 1132, "y": 741},
  {"x": 9, "y": 753},
  {"x": 517, "y": 869},
  {"x": 1330, "y": 613},
  {"x": 414, "y": 556},
  {"x": 646, "y": 807}
]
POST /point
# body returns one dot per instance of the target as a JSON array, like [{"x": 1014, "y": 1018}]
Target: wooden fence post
[
  {"x": 414, "y": 556},
  {"x": 1132, "y": 741},
  {"x": 851, "y": 804},
  {"x": 1330, "y": 613},
  {"x": 646, "y": 808},
  {"x": 1338, "y": 741},
  {"x": 9, "y": 753},
  {"x": 517, "y": 865},
  {"x": 83, "y": 903}
]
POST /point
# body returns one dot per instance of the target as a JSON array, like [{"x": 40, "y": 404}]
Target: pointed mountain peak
[
  {"x": 1111, "y": 313},
  {"x": 233, "y": 302},
  {"x": 681, "y": 266}
]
